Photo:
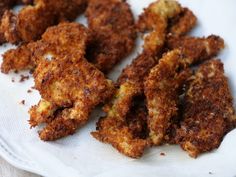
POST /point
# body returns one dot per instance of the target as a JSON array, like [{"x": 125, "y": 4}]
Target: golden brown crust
[
  {"x": 155, "y": 19},
  {"x": 183, "y": 23},
  {"x": 112, "y": 26},
  {"x": 117, "y": 128},
  {"x": 18, "y": 59},
  {"x": 208, "y": 110},
  {"x": 33, "y": 20},
  {"x": 58, "y": 39},
  {"x": 196, "y": 49},
  {"x": 127, "y": 135},
  {"x": 70, "y": 86},
  {"x": 162, "y": 87}
]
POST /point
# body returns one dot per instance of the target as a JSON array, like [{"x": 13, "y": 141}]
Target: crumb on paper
[
  {"x": 162, "y": 154},
  {"x": 23, "y": 78},
  {"x": 29, "y": 91},
  {"x": 210, "y": 173},
  {"x": 12, "y": 79},
  {"x": 22, "y": 102}
]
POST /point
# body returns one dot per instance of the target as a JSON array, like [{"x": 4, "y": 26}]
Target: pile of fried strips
[{"x": 158, "y": 99}]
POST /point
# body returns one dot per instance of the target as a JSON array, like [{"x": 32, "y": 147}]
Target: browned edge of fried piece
[
  {"x": 161, "y": 88},
  {"x": 17, "y": 59},
  {"x": 56, "y": 39},
  {"x": 208, "y": 110},
  {"x": 112, "y": 26},
  {"x": 127, "y": 136},
  {"x": 183, "y": 23},
  {"x": 196, "y": 49},
  {"x": 114, "y": 128},
  {"x": 23, "y": 27},
  {"x": 155, "y": 19}
]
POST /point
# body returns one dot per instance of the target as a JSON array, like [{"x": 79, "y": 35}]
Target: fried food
[
  {"x": 161, "y": 88},
  {"x": 5, "y": 5},
  {"x": 155, "y": 19},
  {"x": 57, "y": 41},
  {"x": 208, "y": 110},
  {"x": 112, "y": 25},
  {"x": 114, "y": 128},
  {"x": 196, "y": 49},
  {"x": 70, "y": 86},
  {"x": 32, "y": 21},
  {"x": 62, "y": 38},
  {"x": 183, "y": 23}
]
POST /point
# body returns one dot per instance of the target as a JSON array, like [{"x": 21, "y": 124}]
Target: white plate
[{"x": 81, "y": 155}]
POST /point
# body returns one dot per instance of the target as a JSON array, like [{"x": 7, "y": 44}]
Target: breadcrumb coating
[
  {"x": 194, "y": 48},
  {"x": 114, "y": 128},
  {"x": 112, "y": 26},
  {"x": 183, "y": 23},
  {"x": 32, "y": 21},
  {"x": 155, "y": 19},
  {"x": 161, "y": 88},
  {"x": 58, "y": 39},
  {"x": 208, "y": 110},
  {"x": 70, "y": 86}
]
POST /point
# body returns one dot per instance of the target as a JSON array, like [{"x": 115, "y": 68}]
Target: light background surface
[{"x": 81, "y": 155}]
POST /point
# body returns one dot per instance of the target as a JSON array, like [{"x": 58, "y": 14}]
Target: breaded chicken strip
[
  {"x": 162, "y": 87},
  {"x": 155, "y": 19},
  {"x": 112, "y": 25},
  {"x": 114, "y": 128},
  {"x": 32, "y": 21},
  {"x": 194, "y": 48},
  {"x": 70, "y": 87},
  {"x": 58, "y": 39},
  {"x": 208, "y": 111}
]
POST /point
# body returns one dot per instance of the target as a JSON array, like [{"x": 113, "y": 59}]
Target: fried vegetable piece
[
  {"x": 161, "y": 88},
  {"x": 62, "y": 38},
  {"x": 112, "y": 25},
  {"x": 183, "y": 23},
  {"x": 32, "y": 21},
  {"x": 155, "y": 19},
  {"x": 208, "y": 112},
  {"x": 196, "y": 49}
]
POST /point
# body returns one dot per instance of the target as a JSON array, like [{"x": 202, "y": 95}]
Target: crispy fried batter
[
  {"x": 59, "y": 39},
  {"x": 70, "y": 86},
  {"x": 32, "y": 21},
  {"x": 126, "y": 135},
  {"x": 208, "y": 111},
  {"x": 112, "y": 24},
  {"x": 183, "y": 23},
  {"x": 113, "y": 128},
  {"x": 155, "y": 19},
  {"x": 196, "y": 49},
  {"x": 4, "y": 5},
  {"x": 162, "y": 92}
]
